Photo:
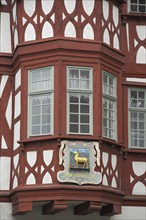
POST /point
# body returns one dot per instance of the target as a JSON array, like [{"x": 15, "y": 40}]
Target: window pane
[
  {"x": 74, "y": 108},
  {"x": 36, "y": 120},
  {"x": 74, "y": 128},
  {"x": 46, "y": 109},
  {"x": 74, "y": 99},
  {"x": 74, "y": 118},
  {"x": 36, "y": 110},
  {"x": 84, "y": 118},
  {"x": 141, "y": 143},
  {"x": 84, "y": 79},
  {"x": 133, "y": 8},
  {"x": 46, "y": 119},
  {"x": 84, "y": 108},
  {"x": 133, "y": 1},
  {"x": 46, "y": 129},
  {"x": 142, "y": 1},
  {"x": 74, "y": 79},
  {"x": 35, "y": 130},
  {"x": 84, "y": 128},
  {"x": 84, "y": 99},
  {"x": 141, "y": 8}
]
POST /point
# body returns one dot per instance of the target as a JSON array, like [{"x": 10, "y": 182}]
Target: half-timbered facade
[{"x": 72, "y": 73}]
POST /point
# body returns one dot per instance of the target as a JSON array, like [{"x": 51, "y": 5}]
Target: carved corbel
[
  {"x": 111, "y": 209},
  {"x": 54, "y": 207},
  {"x": 87, "y": 208}
]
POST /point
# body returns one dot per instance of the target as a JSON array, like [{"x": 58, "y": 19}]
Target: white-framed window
[
  {"x": 137, "y": 6},
  {"x": 109, "y": 106},
  {"x": 79, "y": 106},
  {"x": 137, "y": 117},
  {"x": 40, "y": 101}
]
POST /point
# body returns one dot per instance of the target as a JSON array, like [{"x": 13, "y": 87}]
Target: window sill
[{"x": 133, "y": 16}]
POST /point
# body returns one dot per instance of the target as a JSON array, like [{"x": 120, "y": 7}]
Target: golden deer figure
[{"x": 80, "y": 160}]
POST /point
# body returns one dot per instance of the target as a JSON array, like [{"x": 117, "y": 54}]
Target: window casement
[
  {"x": 137, "y": 117},
  {"x": 137, "y": 6},
  {"x": 40, "y": 101},
  {"x": 109, "y": 106},
  {"x": 79, "y": 106}
]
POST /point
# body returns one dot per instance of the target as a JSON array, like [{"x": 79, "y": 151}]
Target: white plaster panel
[
  {"x": 18, "y": 79},
  {"x": 47, "y": 155},
  {"x": 31, "y": 158},
  {"x": 3, "y": 2},
  {"x": 105, "y": 9},
  {"x": 130, "y": 213},
  {"x": 17, "y": 105},
  {"x": 4, "y": 80},
  {"x": 30, "y": 179},
  {"x": 15, "y": 182},
  {"x": 135, "y": 43},
  {"x": 53, "y": 17},
  {"x": 88, "y": 6},
  {"x": 47, "y": 30},
  {"x": 35, "y": 19},
  {"x": 6, "y": 211},
  {"x": 14, "y": 12},
  {"x": 139, "y": 189},
  {"x": 5, "y": 33},
  {"x": 139, "y": 168},
  {"x": 3, "y": 143},
  {"x": 47, "y": 179},
  {"x": 47, "y": 6},
  {"x": 114, "y": 161},
  {"x": 106, "y": 37},
  {"x": 15, "y": 38},
  {"x": 104, "y": 180},
  {"x": 141, "y": 31},
  {"x": 42, "y": 169},
  {"x": 16, "y": 135},
  {"x": 29, "y": 7},
  {"x": 15, "y": 160},
  {"x": 141, "y": 55},
  {"x": 142, "y": 80},
  {"x": 23, "y": 20},
  {"x": 29, "y": 33},
  {"x": 82, "y": 18},
  {"x": 5, "y": 165},
  {"x": 127, "y": 34},
  {"x": 115, "y": 15},
  {"x": 88, "y": 32},
  {"x": 8, "y": 113},
  {"x": 70, "y": 30},
  {"x": 105, "y": 158},
  {"x": 70, "y": 5},
  {"x": 114, "y": 182},
  {"x": 116, "y": 42}
]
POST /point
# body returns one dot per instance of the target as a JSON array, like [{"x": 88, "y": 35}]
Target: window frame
[
  {"x": 41, "y": 92},
  {"x": 79, "y": 92},
  {"x": 114, "y": 100},
  {"x": 137, "y": 4},
  {"x": 137, "y": 110}
]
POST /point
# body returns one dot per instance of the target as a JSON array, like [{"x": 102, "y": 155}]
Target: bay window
[
  {"x": 40, "y": 98},
  {"x": 79, "y": 87}
]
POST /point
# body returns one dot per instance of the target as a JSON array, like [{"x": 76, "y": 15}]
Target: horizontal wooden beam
[
  {"x": 54, "y": 207},
  {"x": 87, "y": 208}
]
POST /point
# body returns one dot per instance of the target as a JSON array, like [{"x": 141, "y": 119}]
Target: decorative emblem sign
[{"x": 79, "y": 160}]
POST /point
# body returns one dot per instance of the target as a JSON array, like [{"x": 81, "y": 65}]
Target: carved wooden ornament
[{"x": 79, "y": 160}]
